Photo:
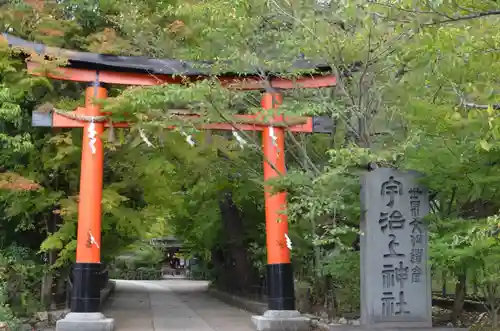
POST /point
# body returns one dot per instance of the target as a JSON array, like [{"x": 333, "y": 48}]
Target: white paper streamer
[
  {"x": 189, "y": 138},
  {"x": 92, "y": 240},
  {"x": 92, "y": 134},
  {"x": 288, "y": 242},
  {"x": 273, "y": 136},
  {"x": 239, "y": 139},
  {"x": 145, "y": 139}
]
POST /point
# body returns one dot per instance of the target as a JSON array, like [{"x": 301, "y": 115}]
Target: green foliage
[
  {"x": 458, "y": 245},
  {"x": 344, "y": 270},
  {"x": 141, "y": 262},
  {"x": 6, "y": 313},
  {"x": 140, "y": 255},
  {"x": 23, "y": 274},
  {"x": 142, "y": 273},
  {"x": 20, "y": 275},
  {"x": 15, "y": 94}
]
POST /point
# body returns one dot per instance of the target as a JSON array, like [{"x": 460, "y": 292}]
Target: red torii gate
[{"x": 99, "y": 69}]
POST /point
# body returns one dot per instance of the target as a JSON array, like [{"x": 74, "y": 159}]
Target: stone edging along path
[
  {"x": 107, "y": 291},
  {"x": 258, "y": 308}
]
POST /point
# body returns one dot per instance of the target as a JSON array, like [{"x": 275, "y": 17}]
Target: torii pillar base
[
  {"x": 282, "y": 320},
  {"x": 85, "y": 322}
]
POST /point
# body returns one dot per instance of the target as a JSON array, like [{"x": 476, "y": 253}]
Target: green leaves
[
  {"x": 458, "y": 244},
  {"x": 485, "y": 145}
]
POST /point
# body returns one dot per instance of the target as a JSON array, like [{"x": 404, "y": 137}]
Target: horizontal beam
[
  {"x": 142, "y": 64},
  {"x": 144, "y": 79},
  {"x": 316, "y": 124}
]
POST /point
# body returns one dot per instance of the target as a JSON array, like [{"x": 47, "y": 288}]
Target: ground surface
[{"x": 173, "y": 305}]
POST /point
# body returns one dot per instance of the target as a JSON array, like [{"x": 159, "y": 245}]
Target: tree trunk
[
  {"x": 240, "y": 267},
  {"x": 475, "y": 288},
  {"x": 443, "y": 289},
  {"x": 494, "y": 318},
  {"x": 460, "y": 293},
  {"x": 46, "y": 290},
  {"x": 61, "y": 287},
  {"x": 218, "y": 265},
  {"x": 47, "y": 297},
  {"x": 490, "y": 294}
]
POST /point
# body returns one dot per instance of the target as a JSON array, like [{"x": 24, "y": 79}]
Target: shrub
[
  {"x": 344, "y": 271},
  {"x": 141, "y": 273}
]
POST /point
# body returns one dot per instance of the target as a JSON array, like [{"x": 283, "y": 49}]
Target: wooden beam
[
  {"x": 316, "y": 124},
  {"x": 128, "y": 78}
]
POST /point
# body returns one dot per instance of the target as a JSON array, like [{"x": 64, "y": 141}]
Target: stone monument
[{"x": 395, "y": 276}]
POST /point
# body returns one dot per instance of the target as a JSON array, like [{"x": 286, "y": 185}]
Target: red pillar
[
  {"x": 280, "y": 281},
  {"x": 86, "y": 281}
]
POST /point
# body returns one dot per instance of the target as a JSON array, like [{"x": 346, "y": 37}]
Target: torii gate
[{"x": 99, "y": 69}]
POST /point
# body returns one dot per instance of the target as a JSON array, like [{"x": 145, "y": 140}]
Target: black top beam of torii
[{"x": 142, "y": 64}]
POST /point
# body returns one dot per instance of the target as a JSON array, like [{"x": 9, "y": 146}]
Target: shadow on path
[{"x": 173, "y": 305}]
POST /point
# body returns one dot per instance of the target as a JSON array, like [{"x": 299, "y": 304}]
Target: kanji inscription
[
  {"x": 391, "y": 188},
  {"x": 394, "y": 247}
]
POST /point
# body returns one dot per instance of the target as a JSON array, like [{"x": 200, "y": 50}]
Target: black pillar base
[
  {"x": 280, "y": 287},
  {"x": 86, "y": 294}
]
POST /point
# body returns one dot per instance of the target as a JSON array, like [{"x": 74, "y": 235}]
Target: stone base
[
  {"x": 85, "y": 322},
  {"x": 282, "y": 320}
]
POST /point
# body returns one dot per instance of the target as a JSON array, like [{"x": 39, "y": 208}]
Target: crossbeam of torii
[{"x": 99, "y": 69}]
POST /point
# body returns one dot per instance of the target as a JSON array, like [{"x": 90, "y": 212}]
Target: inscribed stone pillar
[{"x": 395, "y": 275}]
